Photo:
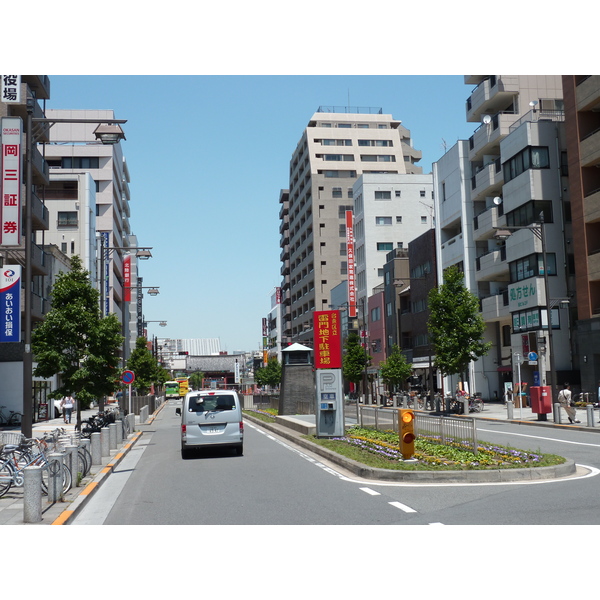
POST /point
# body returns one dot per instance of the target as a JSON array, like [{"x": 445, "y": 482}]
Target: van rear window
[{"x": 206, "y": 402}]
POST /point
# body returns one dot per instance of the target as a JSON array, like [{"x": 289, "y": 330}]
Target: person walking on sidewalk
[
  {"x": 565, "y": 400},
  {"x": 67, "y": 406}
]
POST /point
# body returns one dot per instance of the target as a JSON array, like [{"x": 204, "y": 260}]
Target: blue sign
[
  {"x": 532, "y": 356},
  {"x": 10, "y": 303},
  {"x": 128, "y": 377}
]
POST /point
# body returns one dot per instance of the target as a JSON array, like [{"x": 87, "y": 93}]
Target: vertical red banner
[
  {"x": 127, "y": 278},
  {"x": 328, "y": 339},
  {"x": 351, "y": 264}
]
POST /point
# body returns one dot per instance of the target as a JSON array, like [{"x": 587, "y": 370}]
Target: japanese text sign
[
  {"x": 10, "y": 303},
  {"x": 10, "y": 204},
  {"x": 328, "y": 339}
]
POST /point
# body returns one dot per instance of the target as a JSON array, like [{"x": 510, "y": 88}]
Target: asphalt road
[{"x": 275, "y": 483}]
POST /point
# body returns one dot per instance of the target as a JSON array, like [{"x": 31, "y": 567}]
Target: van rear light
[{"x": 241, "y": 426}]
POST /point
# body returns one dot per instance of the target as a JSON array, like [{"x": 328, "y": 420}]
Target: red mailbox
[{"x": 541, "y": 399}]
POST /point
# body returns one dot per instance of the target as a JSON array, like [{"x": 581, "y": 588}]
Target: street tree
[
  {"x": 145, "y": 366},
  {"x": 455, "y": 324},
  {"x": 269, "y": 375},
  {"x": 355, "y": 360},
  {"x": 196, "y": 379},
  {"x": 395, "y": 370},
  {"x": 76, "y": 342}
]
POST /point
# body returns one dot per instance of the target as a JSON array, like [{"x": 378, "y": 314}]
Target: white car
[{"x": 211, "y": 418}]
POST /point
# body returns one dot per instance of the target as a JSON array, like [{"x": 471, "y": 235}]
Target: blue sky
[{"x": 208, "y": 156}]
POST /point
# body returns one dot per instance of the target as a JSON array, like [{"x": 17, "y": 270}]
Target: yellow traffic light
[{"x": 407, "y": 432}]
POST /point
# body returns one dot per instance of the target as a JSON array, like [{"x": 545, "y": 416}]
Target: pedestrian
[
  {"x": 565, "y": 399},
  {"x": 67, "y": 404}
]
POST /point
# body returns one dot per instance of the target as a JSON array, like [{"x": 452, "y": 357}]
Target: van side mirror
[{"x": 178, "y": 411}]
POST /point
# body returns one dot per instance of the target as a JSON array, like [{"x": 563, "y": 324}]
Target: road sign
[
  {"x": 128, "y": 377},
  {"x": 532, "y": 356}
]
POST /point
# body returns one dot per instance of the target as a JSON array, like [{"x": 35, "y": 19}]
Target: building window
[
  {"x": 423, "y": 220},
  {"x": 383, "y": 220},
  {"x": 532, "y": 266},
  {"x": 80, "y": 162},
  {"x": 385, "y": 246},
  {"x": 67, "y": 218},
  {"x": 422, "y": 193},
  {"x": 336, "y": 192},
  {"x": 532, "y": 157},
  {"x": 398, "y": 193},
  {"x": 383, "y": 195},
  {"x": 343, "y": 268},
  {"x": 376, "y": 314},
  {"x": 530, "y": 213},
  {"x": 398, "y": 219}
]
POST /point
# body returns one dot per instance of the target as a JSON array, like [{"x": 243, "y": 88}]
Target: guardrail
[{"x": 448, "y": 431}]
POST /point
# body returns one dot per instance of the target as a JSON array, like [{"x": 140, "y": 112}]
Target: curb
[
  {"x": 492, "y": 476},
  {"x": 90, "y": 489}
]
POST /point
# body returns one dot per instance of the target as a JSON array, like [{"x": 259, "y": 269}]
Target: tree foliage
[
  {"x": 455, "y": 324},
  {"x": 145, "y": 366},
  {"x": 269, "y": 375},
  {"x": 395, "y": 370},
  {"x": 196, "y": 379},
  {"x": 355, "y": 359},
  {"x": 76, "y": 341}
]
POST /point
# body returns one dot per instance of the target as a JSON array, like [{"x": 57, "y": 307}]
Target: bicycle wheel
[
  {"x": 15, "y": 419},
  {"x": 6, "y": 473},
  {"x": 478, "y": 405},
  {"x": 67, "y": 478},
  {"x": 85, "y": 461}
]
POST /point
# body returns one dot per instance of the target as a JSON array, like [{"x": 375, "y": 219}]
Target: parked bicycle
[
  {"x": 14, "y": 459},
  {"x": 96, "y": 422},
  {"x": 12, "y": 419}
]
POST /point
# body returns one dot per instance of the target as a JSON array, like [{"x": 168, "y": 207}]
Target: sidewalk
[{"x": 59, "y": 513}]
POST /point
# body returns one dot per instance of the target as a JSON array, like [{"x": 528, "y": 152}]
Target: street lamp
[
  {"x": 110, "y": 137},
  {"x": 503, "y": 233}
]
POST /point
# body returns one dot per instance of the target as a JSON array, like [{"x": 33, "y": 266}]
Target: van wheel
[{"x": 239, "y": 450}]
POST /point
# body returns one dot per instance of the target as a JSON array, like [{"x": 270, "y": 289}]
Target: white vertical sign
[
  {"x": 10, "y": 91},
  {"x": 12, "y": 163}
]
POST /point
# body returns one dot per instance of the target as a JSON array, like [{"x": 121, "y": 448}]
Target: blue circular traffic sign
[
  {"x": 128, "y": 377},
  {"x": 533, "y": 356}
]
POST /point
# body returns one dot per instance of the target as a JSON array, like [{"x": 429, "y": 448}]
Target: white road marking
[
  {"x": 539, "y": 437},
  {"x": 592, "y": 473},
  {"x": 403, "y": 507},
  {"x": 370, "y": 491}
]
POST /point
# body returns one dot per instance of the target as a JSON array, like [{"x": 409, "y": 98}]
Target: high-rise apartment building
[
  {"x": 72, "y": 152},
  {"x": 337, "y": 147},
  {"x": 582, "y": 123},
  {"x": 510, "y": 171}
]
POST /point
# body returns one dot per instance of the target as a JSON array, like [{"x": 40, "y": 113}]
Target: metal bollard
[
  {"x": 96, "y": 448},
  {"x": 590, "y": 415},
  {"x": 119, "y": 425},
  {"x": 556, "y": 416},
  {"x": 509, "y": 409},
  {"x": 104, "y": 437},
  {"x": 55, "y": 477},
  {"x": 32, "y": 494},
  {"x": 112, "y": 436}
]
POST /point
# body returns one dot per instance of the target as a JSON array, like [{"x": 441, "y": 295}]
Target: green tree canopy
[
  {"x": 145, "y": 366},
  {"x": 269, "y": 375},
  {"x": 395, "y": 370},
  {"x": 355, "y": 359},
  {"x": 76, "y": 341},
  {"x": 456, "y": 326},
  {"x": 196, "y": 379}
]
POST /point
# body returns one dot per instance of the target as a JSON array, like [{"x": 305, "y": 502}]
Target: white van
[{"x": 211, "y": 418}]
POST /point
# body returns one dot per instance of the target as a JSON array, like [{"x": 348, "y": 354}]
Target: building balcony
[
  {"x": 39, "y": 214},
  {"x": 591, "y": 207},
  {"x": 487, "y": 181},
  {"x": 495, "y": 308},
  {"x": 484, "y": 223},
  {"x": 487, "y": 137},
  {"x": 38, "y": 260},
  {"x": 39, "y": 84},
  {"x": 40, "y": 169},
  {"x": 589, "y": 148},
  {"x": 588, "y": 93},
  {"x": 453, "y": 250},
  {"x": 594, "y": 266},
  {"x": 491, "y": 96},
  {"x": 492, "y": 266}
]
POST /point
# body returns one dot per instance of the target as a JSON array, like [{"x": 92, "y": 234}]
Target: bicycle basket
[{"x": 11, "y": 437}]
